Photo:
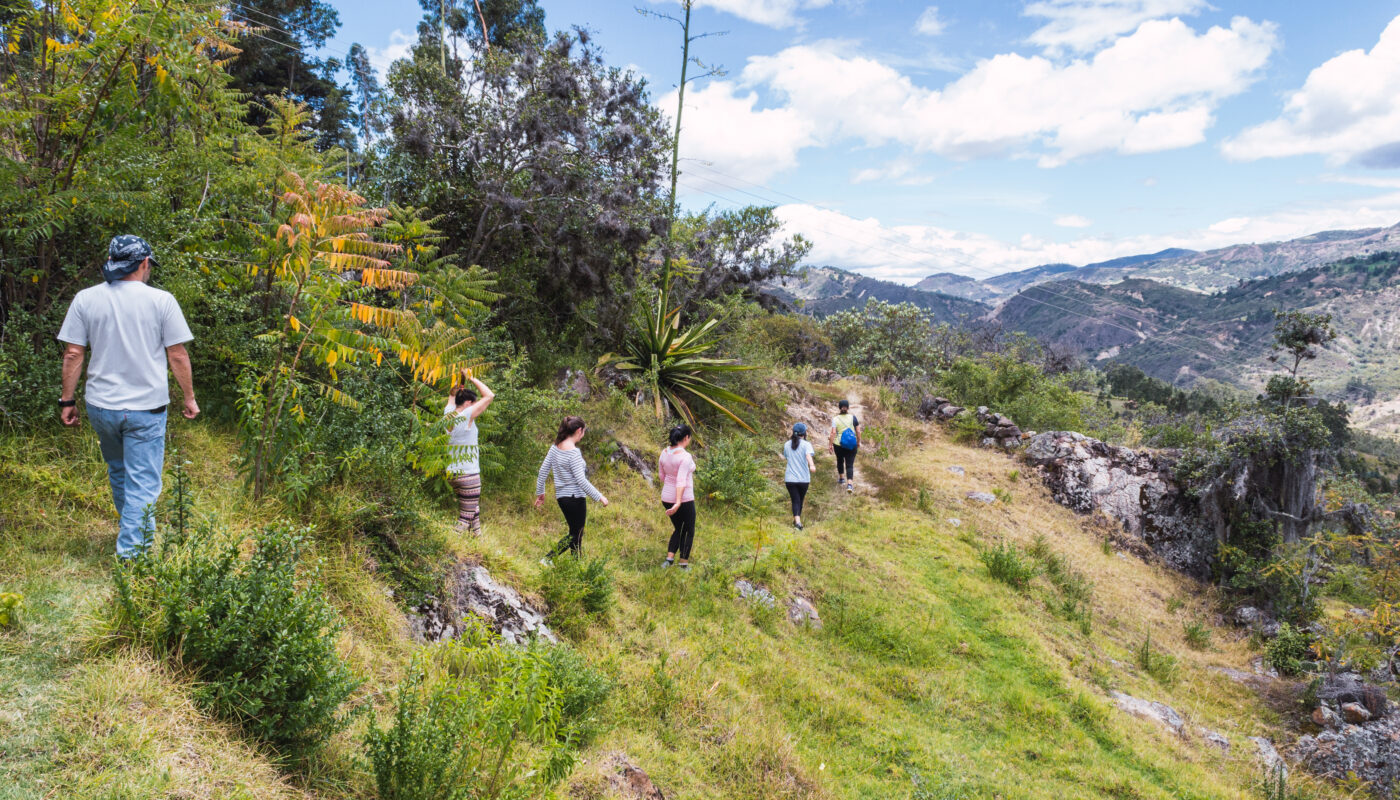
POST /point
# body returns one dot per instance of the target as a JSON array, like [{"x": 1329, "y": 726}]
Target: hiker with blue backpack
[{"x": 845, "y": 440}]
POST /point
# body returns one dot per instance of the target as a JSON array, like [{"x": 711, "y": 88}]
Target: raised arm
[{"x": 474, "y": 410}]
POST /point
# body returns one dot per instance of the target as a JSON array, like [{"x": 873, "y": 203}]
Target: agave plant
[{"x": 673, "y": 363}]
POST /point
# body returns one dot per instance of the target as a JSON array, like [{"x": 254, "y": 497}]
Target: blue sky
[{"x": 906, "y": 138}]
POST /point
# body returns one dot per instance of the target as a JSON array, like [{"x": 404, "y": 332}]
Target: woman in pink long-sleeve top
[{"x": 677, "y": 468}]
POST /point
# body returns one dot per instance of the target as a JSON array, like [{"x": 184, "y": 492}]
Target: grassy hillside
[{"x": 929, "y": 680}]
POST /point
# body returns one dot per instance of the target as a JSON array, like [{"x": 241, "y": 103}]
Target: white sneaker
[{"x": 546, "y": 562}]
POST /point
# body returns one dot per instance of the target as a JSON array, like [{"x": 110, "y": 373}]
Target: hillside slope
[
  {"x": 929, "y": 678},
  {"x": 825, "y": 290}
]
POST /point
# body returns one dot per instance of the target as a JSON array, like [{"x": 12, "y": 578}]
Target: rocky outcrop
[
  {"x": 998, "y": 430},
  {"x": 937, "y": 408},
  {"x": 622, "y": 454},
  {"x": 802, "y": 613},
  {"x": 1135, "y": 487},
  {"x": 1159, "y": 713},
  {"x": 629, "y": 780},
  {"x": 471, "y": 590},
  {"x": 1370, "y": 751}
]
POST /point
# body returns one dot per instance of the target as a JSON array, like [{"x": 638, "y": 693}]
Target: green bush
[
  {"x": 474, "y": 721},
  {"x": 792, "y": 339},
  {"x": 10, "y": 603},
  {"x": 1018, "y": 389},
  {"x": 1197, "y": 635},
  {"x": 260, "y": 641},
  {"x": 1290, "y": 650},
  {"x": 578, "y": 593},
  {"x": 1008, "y": 565},
  {"x": 1351, "y": 583},
  {"x": 1163, "y": 667},
  {"x": 731, "y": 470},
  {"x": 583, "y": 692}
]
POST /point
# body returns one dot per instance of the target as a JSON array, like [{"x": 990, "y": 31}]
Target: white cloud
[
  {"x": 400, "y": 44},
  {"x": 908, "y": 253},
  {"x": 1082, "y": 25},
  {"x": 773, "y": 13},
  {"x": 1155, "y": 89},
  {"x": 1348, "y": 110},
  {"x": 721, "y": 127},
  {"x": 1073, "y": 221},
  {"x": 929, "y": 23},
  {"x": 902, "y": 170}
]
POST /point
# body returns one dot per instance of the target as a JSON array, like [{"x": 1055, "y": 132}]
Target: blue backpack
[{"x": 848, "y": 439}]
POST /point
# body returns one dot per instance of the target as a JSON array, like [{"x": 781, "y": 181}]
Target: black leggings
[
  {"x": 847, "y": 459},
  {"x": 683, "y": 521},
  {"x": 797, "y": 492},
  {"x": 576, "y": 515}
]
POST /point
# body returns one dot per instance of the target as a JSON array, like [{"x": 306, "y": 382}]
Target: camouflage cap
[{"x": 124, "y": 255}]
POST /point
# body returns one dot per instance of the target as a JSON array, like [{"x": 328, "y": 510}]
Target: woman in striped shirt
[{"x": 571, "y": 485}]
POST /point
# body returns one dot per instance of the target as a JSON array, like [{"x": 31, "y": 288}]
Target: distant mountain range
[
  {"x": 1182, "y": 315},
  {"x": 825, "y": 290},
  {"x": 1209, "y": 271}
]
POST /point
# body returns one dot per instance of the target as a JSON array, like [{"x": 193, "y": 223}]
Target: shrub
[
  {"x": 1289, "y": 651},
  {"x": 1197, "y": 635},
  {"x": 261, "y": 646},
  {"x": 882, "y": 339},
  {"x": 583, "y": 691},
  {"x": 10, "y": 603},
  {"x": 578, "y": 593},
  {"x": 793, "y": 339},
  {"x": 1161, "y": 666},
  {"x": 1020, "y": 390},
  {"x": 731, "y": 470},
  {"x": 474, "y": 721},
  {"x": 1006, "y": 564}
]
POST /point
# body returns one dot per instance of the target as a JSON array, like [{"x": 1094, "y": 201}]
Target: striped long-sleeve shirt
[{"x": 570, "y": 474}]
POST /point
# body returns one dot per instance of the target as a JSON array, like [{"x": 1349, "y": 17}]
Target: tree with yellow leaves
[{"x": 346, "y": 294}]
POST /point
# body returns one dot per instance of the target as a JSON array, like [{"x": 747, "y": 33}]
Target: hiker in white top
[
  {"x": 571, "y": 485},
  {"x": 134, "y": 331},
  {"x": 798, "y": 475},
  {"x": 464, "y": 406}
]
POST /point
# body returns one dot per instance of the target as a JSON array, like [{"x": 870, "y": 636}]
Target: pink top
[{"x": 677, "y": 468}]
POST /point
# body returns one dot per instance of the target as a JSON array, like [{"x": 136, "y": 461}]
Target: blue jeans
[{"x": 133, "y": 445}]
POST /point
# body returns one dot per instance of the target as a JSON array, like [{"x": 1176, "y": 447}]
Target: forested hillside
[{"x": 457, "y": 355}]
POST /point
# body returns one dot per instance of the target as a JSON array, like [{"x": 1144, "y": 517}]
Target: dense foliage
[{"x": 257, "y": 633}]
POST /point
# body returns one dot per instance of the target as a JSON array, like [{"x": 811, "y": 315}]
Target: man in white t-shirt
[{"x": 133, "y": 330}]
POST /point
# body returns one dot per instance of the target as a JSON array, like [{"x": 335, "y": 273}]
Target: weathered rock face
[
  {"x": 1137, "y": 488},
  {"x": 1370, "y": 751},
  {"x": 472, "y": 590},
  {"x": 937, "y": 408},
  {"x": 633, "y": 460}
]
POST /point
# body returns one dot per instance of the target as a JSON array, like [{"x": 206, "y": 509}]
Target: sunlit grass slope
[{"x": 929, "y": 679}]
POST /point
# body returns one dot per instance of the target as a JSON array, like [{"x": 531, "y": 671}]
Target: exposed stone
[
  {"x": 471, "y": 590},
  {"x": 632, "y": 460},
  {"x": 1217, "y": 740},
  {"x": 1355, "y": 713},
  {"x": 630, "y": 780},
  {"x": 1159, "y": 713},
  {"x": 1369, "y": 751},
  {"x": 1268, "y": 756},
  {"x": 1246, "y": 616},
  {"x": 949, "y": 411},
  {"x": 982, "y": 497},
  {"x": 957, "y": 470},
  {"x": 755, "y": 594},
  {"x": 801, "y": 611},
  {"x": 955, "y": 522},
  {"x": 1349, "y": 688},
  {"x": 1325, "y": 717},
  {"x": 823, "y": 376},
  {"x": 1136, "y": 488}
]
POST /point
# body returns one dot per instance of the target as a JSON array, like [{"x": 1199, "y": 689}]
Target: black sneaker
[
  {"x": 685, "y": 566},
  {"x": 797, "y": 525}
]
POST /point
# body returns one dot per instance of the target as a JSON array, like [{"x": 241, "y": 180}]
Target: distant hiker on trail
[
  {"x": 571, "y": 485},
  {"x": 465, "y": 406},
  {"x": 845, "y": 440},
  {"x": 677, "y": 468},
  {"x": 134, "y": 332},
  {"x": 798, "y": 476}
]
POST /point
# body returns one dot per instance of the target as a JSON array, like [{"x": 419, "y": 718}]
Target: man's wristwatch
[{"x": 66, "y": 403}]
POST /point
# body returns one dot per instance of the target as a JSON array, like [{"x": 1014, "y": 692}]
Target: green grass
[{"x": 929, "y": 679}]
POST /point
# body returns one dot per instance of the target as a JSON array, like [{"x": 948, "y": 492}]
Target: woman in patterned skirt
[{"x": 464, "y": 406}]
